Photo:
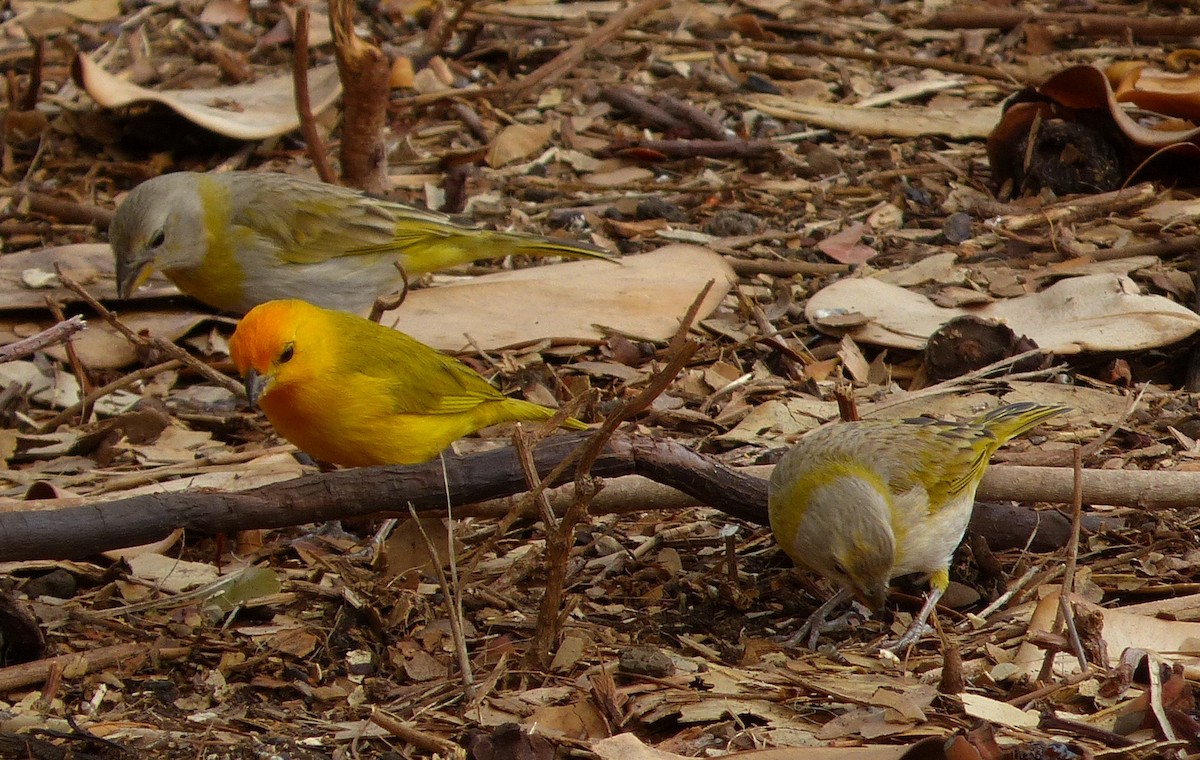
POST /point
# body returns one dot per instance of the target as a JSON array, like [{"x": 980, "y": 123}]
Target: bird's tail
[
  {"x": 512, "y": 243},
  {"x": 1011, "y": 420},
  {"x": 429, "y": 243},
  {"x": 527, "y": 411}
]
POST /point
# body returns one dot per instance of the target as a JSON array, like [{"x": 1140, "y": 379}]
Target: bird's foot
[
  {"x": 918, "y": 627},
  {"x": 819, "y": 622},
  {"x": 910, "y": 636}
]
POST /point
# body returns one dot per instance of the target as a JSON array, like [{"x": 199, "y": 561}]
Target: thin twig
[
  {"x": 57, "y": 333},
  {"x": 389, "y": 301},
  {"x": 557, "y": 67},
  {"x": 560, "y": 540},
  {"x": 421, "y": 739},
  {"x": 1013, "y": 589},
  {"x": 81, "y": 377},
  {"x": 152, "y": 342},
  {"x": 98, "y": 393},
  {"x": 1068, "y": 586},
  {"x": 453, "y": 604},
  {"x": 308, "y": 126}
]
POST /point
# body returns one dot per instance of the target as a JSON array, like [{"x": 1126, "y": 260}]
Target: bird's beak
[
  {"x": 873, "y": 598},
  {"x": 131, "y": 274},
  {"x": 255, "y": 385}
]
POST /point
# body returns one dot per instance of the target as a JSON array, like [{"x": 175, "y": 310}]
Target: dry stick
[
  {"x": 57, "y": 333},
  {"x": 1082, "y": 209},
  {"x": 1049, "y": 689},
  {"x": 98, "y": 393},
  {"x": 76, "y": 663},
  {"x": 28, "y": 99},
  {"x": 559, "y": 541},
  {"x": 63, "y": 210},
  {"x": 783, "y": 268},
  {"x": 389, "y": 301},
  {"x": 697, "y": 148},
  {"x": 1000, "y": 601},
  {"x": 938, "y": 64},
  {"x": 704, "y": 123},
  {"x": 414, "y": 736},
  {"x": 82, "y": 530},
  {"x": 1160, "y": 248},
  {"x": 440, "y": 34},
  {"x": 1072, "y": 24},
  {"x": 85, "y": 384},
  {"x": 152, "y": 342},
  {"x": 557, "y": 67},
  {"x": 1068, "y": 585},
  {"x": 634, "y": 103},
  {"x": 308, "y": 126}
]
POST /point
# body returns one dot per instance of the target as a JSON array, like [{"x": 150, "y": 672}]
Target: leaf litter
[{"x": 849, "y": 195}]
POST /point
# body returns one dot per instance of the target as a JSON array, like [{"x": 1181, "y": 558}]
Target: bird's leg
[
  {"x": 819, "y": 622},
  {"x": 937, "y": 586}
]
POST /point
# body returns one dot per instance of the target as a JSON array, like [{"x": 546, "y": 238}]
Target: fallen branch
[
  {"x": 85, "y": 530},
  {"x": 1074, "y": 25},
  {"x": 39, "y": 530},
  {"x": 694, "y": 148}
]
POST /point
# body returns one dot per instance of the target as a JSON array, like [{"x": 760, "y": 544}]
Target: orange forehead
[{"x": 262, "y": 332}]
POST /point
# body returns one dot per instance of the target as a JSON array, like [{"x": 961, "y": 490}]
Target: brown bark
[
  {"x": 81, "y": 531},
  {"x": 1070, "y": 24},
  {"x": 84, "y": 530},
  {"x": 365, "y": 75}
]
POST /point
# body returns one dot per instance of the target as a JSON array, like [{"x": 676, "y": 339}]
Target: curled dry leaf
[
  {"x": 1078, "y": 115},
  {"x": 1102, "y": 312},
  {"x": 265, "y": 108},
  {"x": 645, "y": 296}
]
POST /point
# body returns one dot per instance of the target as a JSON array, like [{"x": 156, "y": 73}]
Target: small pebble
[
  {"x": 732, "y": 224},
  {"x": 657, "y": 208}
]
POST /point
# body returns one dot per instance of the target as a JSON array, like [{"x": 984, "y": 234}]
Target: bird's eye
[
  {"x": 159, "y": 238},
  {"x": 839, "y": 568},
  {"x": 286, "y": 355}
]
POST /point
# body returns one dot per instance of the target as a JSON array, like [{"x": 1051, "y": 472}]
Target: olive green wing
[
  {"x": 416, "y": 378},
  {"x": 308, "y": 222}
]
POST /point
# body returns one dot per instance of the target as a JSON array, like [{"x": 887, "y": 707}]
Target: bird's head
[
  {"x": 845, "y": 534},
  {"x": 160, "y": 223},
  {"x": 274, "y": 346}
]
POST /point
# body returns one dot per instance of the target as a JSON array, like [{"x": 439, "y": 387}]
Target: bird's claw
[
  {"x": 819, "y": 623},
  {"x": 911, "y": 636}
]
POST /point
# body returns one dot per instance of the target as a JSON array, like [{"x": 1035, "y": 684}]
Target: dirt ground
[{"x": 832, "y": 161}]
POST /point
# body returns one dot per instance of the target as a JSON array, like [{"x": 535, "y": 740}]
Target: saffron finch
[
  {"x": 352, "y": 392},
  {"x": 237, "y": 239},
  {"x": 864, "y": 502}
]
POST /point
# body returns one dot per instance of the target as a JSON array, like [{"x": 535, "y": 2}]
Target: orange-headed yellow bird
[{"x": 352, "y": 392}]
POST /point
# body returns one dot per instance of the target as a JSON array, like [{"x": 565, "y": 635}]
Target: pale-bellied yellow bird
[
  {"x": 864, "y": 502},
  {"x": 237, "y": 239},
  {"x": 352, "y": 392}
]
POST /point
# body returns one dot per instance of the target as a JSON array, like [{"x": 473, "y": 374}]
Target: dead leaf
[
  {"x": 518, "y": 141},
  {"x": 846, "y": 247},
  {"x": 645, "y": 297},
  {"x": 1081, "y": 314},
  {"x": 265, "y": 108}
]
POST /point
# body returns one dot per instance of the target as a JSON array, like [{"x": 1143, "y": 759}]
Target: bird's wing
[
  {"x": 307, "y": 223},
  {"x": 418, "y": 379},
  {"x": 948, "y": 459}
]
